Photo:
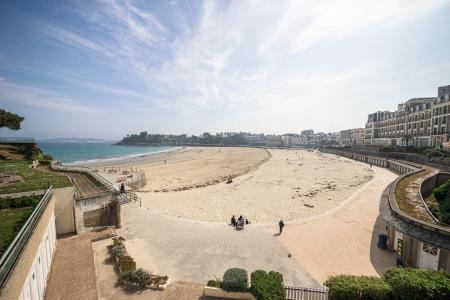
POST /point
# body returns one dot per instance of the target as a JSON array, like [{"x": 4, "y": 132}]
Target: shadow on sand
[{"x": 380, "y": 259}]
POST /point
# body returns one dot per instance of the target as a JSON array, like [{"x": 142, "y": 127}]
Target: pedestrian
[
  {"x": 281, "y": 224},
  {"x": 122, "y": 188}
]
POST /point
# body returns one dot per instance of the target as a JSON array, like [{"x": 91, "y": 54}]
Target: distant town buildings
[{"x": 352, "y": 137}]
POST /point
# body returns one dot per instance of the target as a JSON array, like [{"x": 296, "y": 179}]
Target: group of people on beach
[{"x": 240, "y": 222}]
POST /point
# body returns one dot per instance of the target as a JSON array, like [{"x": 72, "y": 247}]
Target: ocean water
[{"x": 80, "y": 152}]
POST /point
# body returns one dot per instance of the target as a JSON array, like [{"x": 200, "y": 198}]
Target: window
[{"x": 430, "y": 249}]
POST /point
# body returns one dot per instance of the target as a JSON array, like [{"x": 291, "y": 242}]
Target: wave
[{"x": 119, "y": 158}]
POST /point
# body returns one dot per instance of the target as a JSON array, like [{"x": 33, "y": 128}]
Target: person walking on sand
[
  {"x": 281, "y": 225},
  {"x": 122, "y": 188}
]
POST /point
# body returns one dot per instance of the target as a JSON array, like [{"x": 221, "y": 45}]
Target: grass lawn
[
  {"x": 33, "y": 179},
  {"x": 11, "y": 220}
]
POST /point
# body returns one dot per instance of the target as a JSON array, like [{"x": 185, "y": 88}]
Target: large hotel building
[{"x": 420, "y": 122}]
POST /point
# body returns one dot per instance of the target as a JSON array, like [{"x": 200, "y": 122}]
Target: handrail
[
  {"x": 12, "y": 253},
  {"x": 88, "y": 170}
]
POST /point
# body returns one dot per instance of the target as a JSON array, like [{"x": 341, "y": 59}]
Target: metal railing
[
  {"x": 12, "y": 253},
  {"x": 303, "y": 293},
  {"x": 103, "y": 181}
]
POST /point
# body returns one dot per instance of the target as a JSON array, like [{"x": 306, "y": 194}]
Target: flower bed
[{"x": 129, "y": 275}]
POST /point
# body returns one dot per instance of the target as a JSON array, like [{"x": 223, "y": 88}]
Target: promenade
[{"x": 343, "y": 241}]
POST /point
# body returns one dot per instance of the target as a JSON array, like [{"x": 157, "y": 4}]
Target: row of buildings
[
  {"x": 419, "y": 122},
  {"x": 306, "y": 138}
]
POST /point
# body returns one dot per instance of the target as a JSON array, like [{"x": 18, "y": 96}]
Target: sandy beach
[{"x": 268, "y": 184}]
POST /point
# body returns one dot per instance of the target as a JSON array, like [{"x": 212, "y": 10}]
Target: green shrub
[
  {"x": 349, "y": 287},
  {"x": 235, "y": 280},
  {"x": 441, "y": 191},
  {"x": 267, "y": 286},
  {"x": 118, "y": 248},
  {"x": 214, "y": 283},
  {"x": 418, "y": 284},
  {"x": 126, "y": 263},
  {"x": 139, "y": 277},
  {"x": 26, "y": 201}
]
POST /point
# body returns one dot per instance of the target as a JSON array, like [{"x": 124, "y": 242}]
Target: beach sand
[{"x": 268, "y": 185}]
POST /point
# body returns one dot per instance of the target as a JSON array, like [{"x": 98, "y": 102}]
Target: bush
[
  {"x": 214, "y": 283},
  {"x": 267, "y": 286},
  {"x": 118, "y": 248},
  {"x": 235, "y": 280},
  {"x": 441, "y": 191},
  {"x": 139, "y": 277},
  {"x": 349, "y": 287},
  {"x": 126, "y": 263},
  {"x": 26, "y": 201},
  {"x": 418, "y": 284}
]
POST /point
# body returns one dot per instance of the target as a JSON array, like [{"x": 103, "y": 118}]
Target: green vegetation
[
  {"x": 439, "y": 202},
  {"x": 32, "y": 179},
  {"x": 401, "y": 195},
  {"x": 10, "y": 120},
  {"x": 13, "y": 214},
  {"x": 215, "y": 283},
  {"x": 415, "y": 284},
  {"x": 350, "y": 287},
  {"x": 128, "y": 274},
  {"x": 267, "y": 286},
  {"x": 235, "y": 280},
  {"x": 126, "y": 263},
  {"x": 398, "y": 283}
]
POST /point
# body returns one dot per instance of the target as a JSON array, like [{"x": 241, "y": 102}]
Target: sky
[{"x": 108, "y": 68}]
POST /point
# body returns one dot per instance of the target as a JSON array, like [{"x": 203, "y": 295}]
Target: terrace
[{"x": 17, "y": 176}]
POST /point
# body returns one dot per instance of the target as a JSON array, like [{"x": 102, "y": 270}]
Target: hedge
[
  {"x": 267, "y": 286},
  {"x": 349, "y": 287},
  {"x": 235, "y": 280},
  {"x": 418, "y": 284}
]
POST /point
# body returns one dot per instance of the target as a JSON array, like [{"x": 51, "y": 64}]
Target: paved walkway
[
  {"x": 72, "y": 275},
  {"x": 343, "y": 241},
  {"x": 193, "y": 251},
  {"x": 108, "y": 287}
]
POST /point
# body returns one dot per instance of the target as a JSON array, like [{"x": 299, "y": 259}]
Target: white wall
[{"x": 34, "y": 287}]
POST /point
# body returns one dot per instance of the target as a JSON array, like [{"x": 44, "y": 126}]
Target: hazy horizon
[{"x": 105, "y": 69}]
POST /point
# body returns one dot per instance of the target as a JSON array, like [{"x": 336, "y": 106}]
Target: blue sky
[{"x": 109, "y": 68}]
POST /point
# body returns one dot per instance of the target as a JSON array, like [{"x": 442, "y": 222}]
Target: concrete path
[
  {"x": 109, "y": 288},
  {"x": 194, "y": 251},
  {"x": 343, "y": 241},
  {"x": 72, "y": 275}
]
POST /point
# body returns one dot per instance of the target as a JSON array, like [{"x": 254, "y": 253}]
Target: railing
[
  {"x": 94, "y": 175},
  {"x": 303, "y": 293},
  {"x": 16, "y": 247}
]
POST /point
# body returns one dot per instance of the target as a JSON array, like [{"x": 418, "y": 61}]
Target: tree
[{"x": 10, "y": 120}]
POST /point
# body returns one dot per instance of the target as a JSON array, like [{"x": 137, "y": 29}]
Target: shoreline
[{"x": 123, "y": 160}]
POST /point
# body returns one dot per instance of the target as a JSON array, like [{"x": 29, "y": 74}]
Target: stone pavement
[
  {"x": 72, "y": 275},
  {"x": 108, "y": 287},
  {"x": 194, "y": 251}
]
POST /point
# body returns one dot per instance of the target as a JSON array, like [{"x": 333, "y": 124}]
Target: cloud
[
  {"x": 19, "y": 94},
  {"x": 254, "y": 60}
]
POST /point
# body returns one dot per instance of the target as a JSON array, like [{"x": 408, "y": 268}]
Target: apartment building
[
  {"x": 352, "y": 137},
  {"x": 419, "y": 122}
]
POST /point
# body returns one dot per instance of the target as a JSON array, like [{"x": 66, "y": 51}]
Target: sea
[{"x": 91, "y": 152}]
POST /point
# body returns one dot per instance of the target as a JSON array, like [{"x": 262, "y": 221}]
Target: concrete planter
[{"x": 209, "y": 291}]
